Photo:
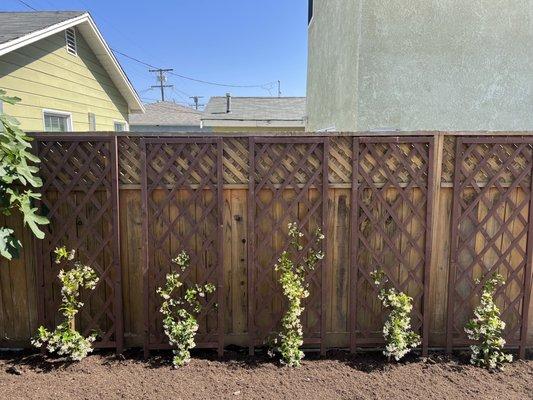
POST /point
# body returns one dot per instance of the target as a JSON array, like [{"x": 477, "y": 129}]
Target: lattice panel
[
  {"x": 391, "y": 229},
  {"x": 129, "y": 160},
  {"x": 490, "y": 228},
  {"x": 182, "y": 190},
  {"x": 79, "y": 198},
  {"x": 288, "y": 184},
  {"x": 235, "y": 161},
  {"x": 236, "y": 158}
]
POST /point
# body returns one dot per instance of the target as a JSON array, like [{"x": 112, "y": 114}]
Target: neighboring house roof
[
  {"x": 255, "y": 111},
  {"x": 19, "y": 29},
  {"x": 167, "y": 113}
]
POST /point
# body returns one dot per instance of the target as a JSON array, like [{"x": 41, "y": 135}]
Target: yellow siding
[{"x": 45, "y": 76}]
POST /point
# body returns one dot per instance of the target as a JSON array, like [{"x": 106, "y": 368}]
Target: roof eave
[{"x": 98, "y": 45}]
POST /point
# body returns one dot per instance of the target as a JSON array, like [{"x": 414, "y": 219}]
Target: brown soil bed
[{"x": 236, "y": 376}]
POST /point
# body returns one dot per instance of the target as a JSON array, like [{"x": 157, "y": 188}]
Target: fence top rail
[{"x": 100, "y": 135}]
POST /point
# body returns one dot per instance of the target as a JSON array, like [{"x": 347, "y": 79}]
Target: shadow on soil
[{"x": 233, "y": 358}]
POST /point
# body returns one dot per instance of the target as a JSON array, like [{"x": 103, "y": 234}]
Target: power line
[
  {"x": 262, "y": 86},
  {"x": 195, "y": 99},
  {"x": 162, "y": 79},
  {"x": 27, "y": 5},
  {"x": 265, "y": 86}
]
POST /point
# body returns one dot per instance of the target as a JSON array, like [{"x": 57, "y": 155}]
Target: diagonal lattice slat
[
  {"x": 288, "y": 180},
  {"x": 490, "y": 231},
  {"x": 80, "y": 200},
  {"x": 391, "y": 228},
  {"x": 182, "y": 188}
]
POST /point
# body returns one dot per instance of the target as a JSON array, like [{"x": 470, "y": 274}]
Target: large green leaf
[
  {"x": 18, "y": 174},
  {"x": 9, "y": 244}
]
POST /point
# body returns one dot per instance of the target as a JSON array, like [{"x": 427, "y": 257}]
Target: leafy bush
[
  {"x": 17, "y": 178},
  {"x": 65, "y": 340},
  {"x": 295, "y": 289},
  {"x": 486, "y": 328},
  {"x": 399, "y": 337},
  {"x": 179, "y": 314}
]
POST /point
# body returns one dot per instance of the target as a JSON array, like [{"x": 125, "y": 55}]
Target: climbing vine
[
  {"x": 399, "y": 337},
  {"x": 65, "y": 340},
  {"x": 18, "y": 178},
  {"x": 179, "y": 314},
  {"x": 295, "y": 289},
  {"x": 486, "y": 329}
]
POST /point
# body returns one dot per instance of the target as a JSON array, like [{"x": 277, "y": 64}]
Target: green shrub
[
  {"x": 399, "y": 337},
  {"x": 486, "y": 329},
  {"x": 179, "y": 314},
  {"x": 65, "y": 340},
  {"x": 17, "y": 179},
  {"x": 295, "y": 289}
]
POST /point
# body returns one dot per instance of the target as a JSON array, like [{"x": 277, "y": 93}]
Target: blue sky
[{"x": 243, "y": 42}]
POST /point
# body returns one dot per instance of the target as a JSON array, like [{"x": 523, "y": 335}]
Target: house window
[
  {"x": 70, "y": 38},
  {"x": 92, "y": 122},
  {"x": 57, "y": 121},
  {"x": 120, "y": 126},
  {"x": 309, "y": 11}
]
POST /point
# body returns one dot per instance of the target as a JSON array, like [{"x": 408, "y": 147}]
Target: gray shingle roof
[
  {"x": 167, "y": 113},
  {"x": 14, "y": 25},
  {"x": 256, "y": 109}
]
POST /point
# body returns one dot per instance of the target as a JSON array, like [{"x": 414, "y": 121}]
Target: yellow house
[
  {"x": 59, "y": 64},
  {"x": 254, "y": 114}
]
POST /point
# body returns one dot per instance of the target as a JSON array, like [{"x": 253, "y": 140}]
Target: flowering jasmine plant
[
  {"x": 399, "y": 337},
  {"x": 486, "y": 329},
  {"x": 179, "y": 314},
  {"x": 65, "y": 340},
  {"x": 295, "y": 289}
]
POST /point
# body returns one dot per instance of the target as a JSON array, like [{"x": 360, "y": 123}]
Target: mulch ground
[{"x": 236, "y": 376}]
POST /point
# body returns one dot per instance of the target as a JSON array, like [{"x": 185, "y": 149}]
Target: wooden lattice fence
[{"x": 435, "y": 211}]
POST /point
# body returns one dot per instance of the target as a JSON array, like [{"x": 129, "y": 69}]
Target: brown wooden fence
[{"x": 434, "y": 210}]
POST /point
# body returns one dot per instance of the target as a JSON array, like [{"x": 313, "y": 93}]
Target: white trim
[
  {"x": 70, "y": 123},
  {"x": 122, "y": 122},
  {"x": 41, "y": 34},
  {"x": 93, "y": 37}
]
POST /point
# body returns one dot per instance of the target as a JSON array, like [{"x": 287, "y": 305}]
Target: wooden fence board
[{"x": 19, "y": 280}]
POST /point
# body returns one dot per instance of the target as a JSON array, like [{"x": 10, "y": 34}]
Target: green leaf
[
  {"x": 9, "y": 244},
  {"x": 17, "y": 174}
]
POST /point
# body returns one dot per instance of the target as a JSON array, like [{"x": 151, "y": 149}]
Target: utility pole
[
  {"x": 195, "y": 99},
  {"x": 162, "y": 79},
  {"x": 279, "y": 88}
]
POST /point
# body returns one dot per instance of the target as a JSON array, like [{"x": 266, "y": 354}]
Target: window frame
[
  {"x": 93, "y": 121},
  {"x": 123, "y": 123},
  {"x": 58, "y": 113}
]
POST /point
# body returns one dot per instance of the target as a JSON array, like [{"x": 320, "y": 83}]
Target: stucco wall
[
  {"x": 332, "y": 65},
  {"x": 422, "y": 64},
  {"x": 45, "y": 76}
]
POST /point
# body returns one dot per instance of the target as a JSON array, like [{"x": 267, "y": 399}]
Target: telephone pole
[
  {"x": 279, "y": 88},
  {"x": 162, "y": 79},
  {"x": 195, "y": 99}
]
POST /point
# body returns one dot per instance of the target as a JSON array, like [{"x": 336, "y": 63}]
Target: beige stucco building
[{"x": 420, "y": 64}]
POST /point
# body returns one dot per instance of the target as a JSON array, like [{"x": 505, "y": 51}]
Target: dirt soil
[{"x": 339, "y": 376}]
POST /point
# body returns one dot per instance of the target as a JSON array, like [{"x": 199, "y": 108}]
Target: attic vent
[{"x": 70, "y": 38}]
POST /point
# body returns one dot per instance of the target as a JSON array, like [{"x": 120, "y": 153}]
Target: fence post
[
  {"x": 434, "y": 192},
  {"x": 251, "y": 245}
]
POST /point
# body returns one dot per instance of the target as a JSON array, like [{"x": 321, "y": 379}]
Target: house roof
[
  {"x": 19, "y": 29},
  {"x": 280, "y": 111},
  {"x": 167, "y": 113}
]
